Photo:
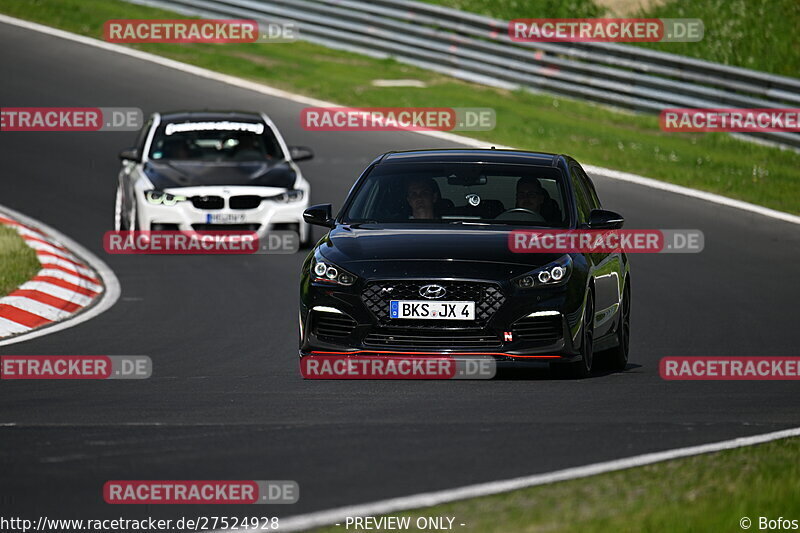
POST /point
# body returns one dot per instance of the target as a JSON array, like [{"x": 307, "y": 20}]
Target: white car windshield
[{"x": 217, "y": 141}]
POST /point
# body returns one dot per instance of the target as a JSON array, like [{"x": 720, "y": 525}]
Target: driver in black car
[
  {"x": 422, "y": 195},
  {"x": 533, "y": 197}
]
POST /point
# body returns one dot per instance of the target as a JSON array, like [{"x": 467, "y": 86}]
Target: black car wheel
[
  {"x": 583, "y": 368},
  {"x": 617, "y": 357}
]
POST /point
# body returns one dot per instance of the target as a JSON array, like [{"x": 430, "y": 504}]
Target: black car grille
[
  {"x": 332, "y": 325},
  {"x": 226, "y": 227},
  {"x": 208, "y": 202},
  {"x": 432, "y": 339},
  {"x": 542, "y": 329},
  {"x": 487, "y": 297},
  {"x": 244, "y": 202}
]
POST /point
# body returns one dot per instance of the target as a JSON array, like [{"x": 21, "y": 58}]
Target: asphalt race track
[{"x": 226, "y": 400}]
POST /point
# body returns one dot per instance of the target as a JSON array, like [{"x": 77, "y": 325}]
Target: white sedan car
[{"x": 204, "y": 170}]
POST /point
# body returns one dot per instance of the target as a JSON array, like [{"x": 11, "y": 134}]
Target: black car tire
[
  {"x": 581, "y": 369},
  {"x": 617, "y": 358}
]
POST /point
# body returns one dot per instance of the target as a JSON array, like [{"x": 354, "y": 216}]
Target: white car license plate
[
  {"x": 428, "y": 310},
  {"x": 224, "y": 218}
]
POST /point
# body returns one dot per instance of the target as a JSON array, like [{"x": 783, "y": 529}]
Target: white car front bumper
[{"x": 194, "y": 214}]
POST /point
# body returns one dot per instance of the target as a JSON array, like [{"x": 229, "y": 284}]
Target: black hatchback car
[{"x": 418, "y": 262}]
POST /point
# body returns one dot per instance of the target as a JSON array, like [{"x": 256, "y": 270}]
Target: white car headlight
[
  {"x": 294, "y": 195},
  {"x": 163, "y": 198}
]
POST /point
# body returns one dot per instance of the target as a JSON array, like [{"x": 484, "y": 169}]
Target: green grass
[
  {"x": 18, "y": 262},
  {"x": 699, "y": 494},
  {"x": 755, "y": 34},
  {"x": 593, "y": 134}
]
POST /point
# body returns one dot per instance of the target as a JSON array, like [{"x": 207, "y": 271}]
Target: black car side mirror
[
  {"x": 319, "y": 215},
  {"x": 602, "y": 219},
  {"x": 131, "y": 154},
  {"x": 300, "y": 153}
]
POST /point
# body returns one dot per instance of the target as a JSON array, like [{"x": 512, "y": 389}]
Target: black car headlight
[
  {"x": 294, "y": 195},
  {"x": 163, "y": 198},
  {"x": 554, "y": 273},
  {"x": 323, "y": 271}
]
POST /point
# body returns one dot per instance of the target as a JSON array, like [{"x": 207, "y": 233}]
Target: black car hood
[
  {"x": 165, "y": 174},
  {"x": 427, "y": 252}
]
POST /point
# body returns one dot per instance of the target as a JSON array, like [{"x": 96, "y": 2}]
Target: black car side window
[
  {"x": 581, "y": 194},
  {"x": 594, "y": 201}
]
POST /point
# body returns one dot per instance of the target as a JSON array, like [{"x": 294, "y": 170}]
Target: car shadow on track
[{"x": 543, "y": 373}]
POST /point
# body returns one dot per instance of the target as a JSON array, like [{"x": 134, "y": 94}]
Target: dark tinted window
[
  {"x": 465, "y": 192},
  {"x": 588, "y": 186},
  {"x": 582, "y": 196}
]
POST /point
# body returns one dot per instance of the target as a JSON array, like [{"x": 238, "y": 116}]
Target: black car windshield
[
  {"x": 215, "y": 140},
  {"x": 460, "y": 193}
]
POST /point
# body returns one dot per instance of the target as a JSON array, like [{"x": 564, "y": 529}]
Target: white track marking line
[
  {"x": 694, "y": 193},
  {"x": 467, "y": 141},
  {"x": 36, "y": 307},
  {"x": 428, "y": 499},
  {"x": 69, "y": 278},
  {"x": 9, "y": 327}
]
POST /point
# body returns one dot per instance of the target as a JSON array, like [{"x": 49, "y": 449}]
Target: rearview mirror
[
  {"x": 300, "y": 153},
  {"x": 319, "y": 215},
  {"x": 603, "y": 219},
  {"x": 131, "y": 154}
]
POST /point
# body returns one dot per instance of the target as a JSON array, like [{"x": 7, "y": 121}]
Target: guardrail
[{"x": 478, "y": 49}]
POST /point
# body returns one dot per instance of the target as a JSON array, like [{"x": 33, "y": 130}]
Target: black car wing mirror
[
  {"x": 300, "y": 153},
  {"x": 603, "y": 219},
  {"x": 319, "y": 215},
  {"x": 131, "y": 154}
]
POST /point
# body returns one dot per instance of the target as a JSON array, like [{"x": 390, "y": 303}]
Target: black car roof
[
  {"x": 471, "y": 155},
  {"x": 183, "y": 116}
]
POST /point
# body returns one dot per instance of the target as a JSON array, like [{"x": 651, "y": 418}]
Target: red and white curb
[{"x": 71, "y": 283}]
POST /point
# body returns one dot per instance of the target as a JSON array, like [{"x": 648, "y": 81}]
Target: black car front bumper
[{"x": 511, "y": 324}]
